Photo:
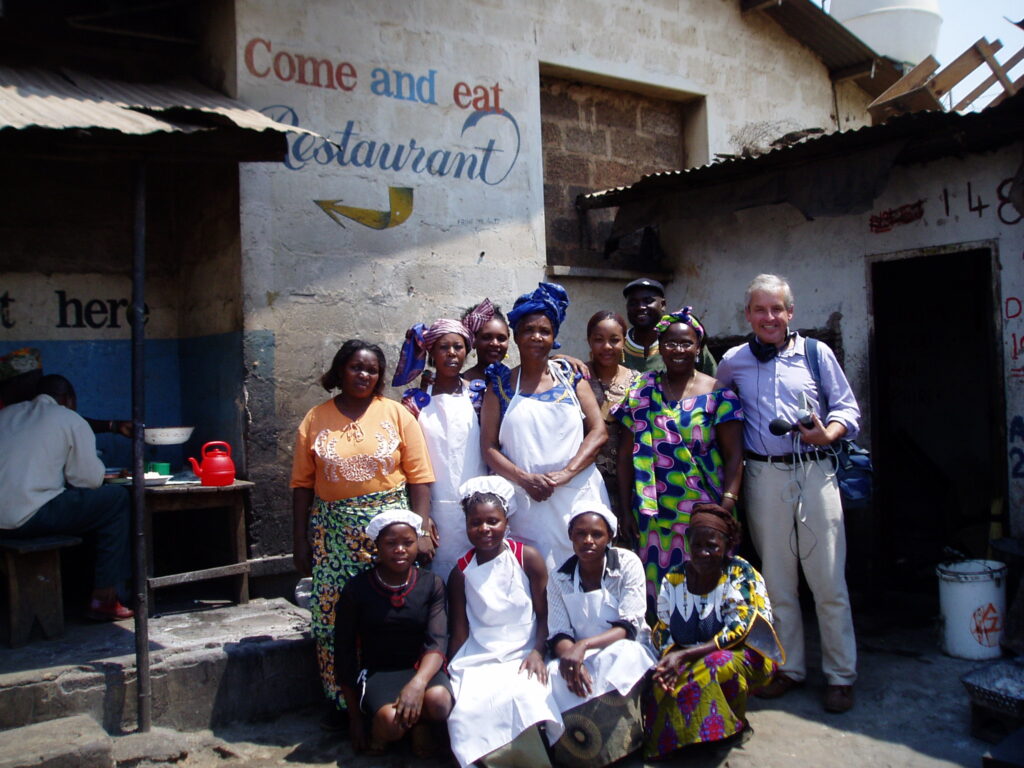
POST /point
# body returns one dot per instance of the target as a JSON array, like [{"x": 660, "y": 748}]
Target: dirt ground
[{"x": 911, "y": 711}]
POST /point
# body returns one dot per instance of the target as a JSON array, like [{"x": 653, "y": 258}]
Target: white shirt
[{"x": 43, "y": 447}]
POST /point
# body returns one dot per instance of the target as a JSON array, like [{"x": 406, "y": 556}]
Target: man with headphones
[{"x": 794, "y": 511}]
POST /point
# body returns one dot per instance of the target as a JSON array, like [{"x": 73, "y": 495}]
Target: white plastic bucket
[{"x": 972, "y": 601}]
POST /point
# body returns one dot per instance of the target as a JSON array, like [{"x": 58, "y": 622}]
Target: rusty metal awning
[
  {"x": 55, "y": 111},
  {"x": 846, "y": 56},
  {"x": 787, "y": 174}
]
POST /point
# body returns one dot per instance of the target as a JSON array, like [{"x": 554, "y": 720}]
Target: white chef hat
[
  {"x": 583, "y": 506},
  {"x": 392, "y": 516},
  {"x": 494, "y": 484}
]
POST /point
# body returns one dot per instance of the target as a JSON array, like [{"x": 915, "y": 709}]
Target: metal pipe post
[{"x": 142, "y": 679}]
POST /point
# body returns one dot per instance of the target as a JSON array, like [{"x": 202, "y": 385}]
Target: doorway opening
[{"x": 937, "y": 403}]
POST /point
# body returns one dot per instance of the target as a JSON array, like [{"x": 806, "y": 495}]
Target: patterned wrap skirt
[
  {"x": 709, "y": 702},
  {"x": 341, "y": 550}
]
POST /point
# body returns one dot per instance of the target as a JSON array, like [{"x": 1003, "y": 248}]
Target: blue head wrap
[{"x": 549, "y": 298}]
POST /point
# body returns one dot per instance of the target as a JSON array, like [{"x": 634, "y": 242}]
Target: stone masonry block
[
  {"x": 565, "y": 169},
  {"x": 555, "y": 102},
  {"x": 630, "y": 146},
  {"x": 611, "y": 173},
  {"x": 668, "y": 152},
  {"x": 586, "y": 141},
  {"x": 563, "y": 230},
  {"x": 616, "y": 115},
  {"x": 555, "y": 196},
  {"x": 661, "y": 121},
  {"x": 551, "y": 133},
  {"x": 67, "y": 742}
]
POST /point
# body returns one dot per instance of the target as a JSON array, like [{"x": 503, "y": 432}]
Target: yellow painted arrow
[{"x": 400, "y": 199}]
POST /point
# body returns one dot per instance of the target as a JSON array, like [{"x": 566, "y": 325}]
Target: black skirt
[{"x": 383, "y": 687}]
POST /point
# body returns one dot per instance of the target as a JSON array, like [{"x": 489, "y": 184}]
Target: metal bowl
[{"x": 168, "y": 435}]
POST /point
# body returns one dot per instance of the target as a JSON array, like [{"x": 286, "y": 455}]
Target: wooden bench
[{"x": 32, "y": 568}]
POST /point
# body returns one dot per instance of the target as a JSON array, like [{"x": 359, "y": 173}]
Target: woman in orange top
[{"x": 356, "y": 455}]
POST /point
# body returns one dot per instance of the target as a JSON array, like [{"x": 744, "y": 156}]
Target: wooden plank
[
  {"x": 990, "y": 81},
  {"x": 915, "y": 78},
  {"x": 996, "y": 68},
  {"x": 38, "y": 544},
  {"x": 1018, "y": 84},
  {"x": 566, "y": 270},
  {"x": 747, "y": 6},
  {"x": 961, "y": 67},
  {"x": 918, "y": 100},
  {"x": 171, "y": 489},
  {"x": 187, "y": 577},
  {"x": 866, "y": 67}
]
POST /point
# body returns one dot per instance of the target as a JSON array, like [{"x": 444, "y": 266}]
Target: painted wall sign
[
  {"x": 485, "y": 157},
  {"x": 893, "y": 217},
  {"x": 485, "y": 149},
  {"x": 400, "y": 199},
  {"x": 77, "y": 307}
]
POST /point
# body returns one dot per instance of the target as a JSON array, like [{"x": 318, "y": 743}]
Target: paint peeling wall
[
  {"x": 432, "y": 196},
  {"x": 948, "y": 205}
]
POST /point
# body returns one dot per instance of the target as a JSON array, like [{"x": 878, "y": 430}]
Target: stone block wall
[{"x": 595, "y": 138}]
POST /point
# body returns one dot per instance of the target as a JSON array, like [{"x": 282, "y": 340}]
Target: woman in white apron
[
  {"x": 498, "y": 609},
  {"x": 542, "y": 428},
  {"x": 446, "y": 413},
  {"x": 600, "y": 642}
]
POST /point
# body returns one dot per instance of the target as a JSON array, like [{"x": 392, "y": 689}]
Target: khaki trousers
[{"x": 795, "y": 518}]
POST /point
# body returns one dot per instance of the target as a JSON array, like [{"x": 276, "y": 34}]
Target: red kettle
[{"x": 217, "y": 467}]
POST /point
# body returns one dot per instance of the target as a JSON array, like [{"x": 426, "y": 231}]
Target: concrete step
[
  {"x": 67, "y": 742},
  {"x": 208, "y": 667}
]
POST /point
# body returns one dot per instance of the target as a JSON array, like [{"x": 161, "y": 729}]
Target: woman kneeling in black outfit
[{"x": 391, "y": 637}]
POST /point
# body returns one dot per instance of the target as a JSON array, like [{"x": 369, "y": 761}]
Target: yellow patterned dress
[
  {"x": 709, "y": 702},
  {"x": 356, "y": 470}
]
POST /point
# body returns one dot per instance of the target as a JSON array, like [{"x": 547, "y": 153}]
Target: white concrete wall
[
  {"x": 313, "y": 281},
  {"x": 826, "y": 262}
]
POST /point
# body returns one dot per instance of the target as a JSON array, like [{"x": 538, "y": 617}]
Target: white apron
[
  {"x": 618, "y": 667},
  {"x": 494, "y": 702},
  {"x": 452, "y": 434},
  {"x": 541, "y": 436}
]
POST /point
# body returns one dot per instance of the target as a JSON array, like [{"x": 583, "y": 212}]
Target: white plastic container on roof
[{"x": 904, "y": 30}]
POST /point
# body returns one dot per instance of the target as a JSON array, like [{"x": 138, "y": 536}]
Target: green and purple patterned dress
[{"x": 676, "y": 464}]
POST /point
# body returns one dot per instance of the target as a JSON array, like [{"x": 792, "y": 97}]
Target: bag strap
[{"x": 811, "y": 348}]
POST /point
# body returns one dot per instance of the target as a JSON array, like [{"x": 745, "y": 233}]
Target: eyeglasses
[{"x": 676, "y": 346}]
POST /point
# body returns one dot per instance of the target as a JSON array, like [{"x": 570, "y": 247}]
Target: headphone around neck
[{"x": 765, "y": 352}]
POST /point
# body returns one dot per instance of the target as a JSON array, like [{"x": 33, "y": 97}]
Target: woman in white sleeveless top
[
  {"x": 542, "y": 428},
  {"x": 447, "y": 411},
  {"x": 498, "y": 610}
]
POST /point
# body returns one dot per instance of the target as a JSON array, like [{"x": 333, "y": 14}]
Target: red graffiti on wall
[
  {"x": 987, "y": 625},
  {"x": 905, "y": 214}
]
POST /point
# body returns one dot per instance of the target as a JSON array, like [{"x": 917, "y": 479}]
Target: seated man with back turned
[{"x": 51, "y": 482}]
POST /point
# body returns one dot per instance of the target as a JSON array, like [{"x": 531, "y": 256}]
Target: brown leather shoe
[
  {"x": 838, "y": 698},
  {"x": 108, "y": 610},
  {"x": 781, "y": 685}
]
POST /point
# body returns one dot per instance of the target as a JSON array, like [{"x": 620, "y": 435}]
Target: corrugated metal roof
[
  {"x": 927, "y": 135},
  {"x": 61, "y": 100},
  {"x": 841, "y": 51}
]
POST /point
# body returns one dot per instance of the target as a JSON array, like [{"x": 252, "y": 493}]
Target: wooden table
[{"x": 161, "y": 499}]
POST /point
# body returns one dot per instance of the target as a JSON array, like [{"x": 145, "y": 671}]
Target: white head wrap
[
  {"x": 495, "y": 484},
  {"x": 390, "y": 517},
  {"x": 584, "y": 506}
]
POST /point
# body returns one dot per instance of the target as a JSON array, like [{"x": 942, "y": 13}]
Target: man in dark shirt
[{"x": 645, "y": 304}]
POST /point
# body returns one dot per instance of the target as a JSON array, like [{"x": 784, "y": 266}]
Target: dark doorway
[{"x": 937, "y": 405}]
